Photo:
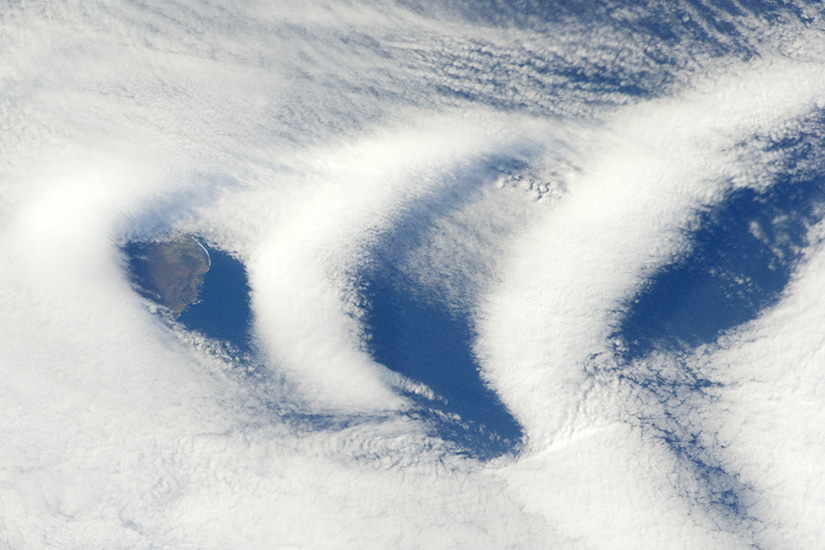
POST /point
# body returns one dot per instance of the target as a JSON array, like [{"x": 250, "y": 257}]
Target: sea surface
[{"x": 223, "y": 312}]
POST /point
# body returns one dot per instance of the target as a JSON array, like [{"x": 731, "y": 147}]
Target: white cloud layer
[{"x": 567, "y": 157}]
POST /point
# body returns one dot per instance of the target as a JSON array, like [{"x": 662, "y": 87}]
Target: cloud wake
[{"x": 537, "y": 176}]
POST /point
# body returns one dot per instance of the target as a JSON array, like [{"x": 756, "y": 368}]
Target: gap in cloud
[
  {"x": 672, "y": 33},
  {"x": 223, "y": 312},
  {"x": 423, "y": 340},
  {"x": 669, "y": 395},
  {"x": 203, "y": 288},
  {"x": 743, "y": 255},
  {"x": 744, "y": 251},
  {"x": 719, "y": 490},
  {"x": 412, "y": 329}
]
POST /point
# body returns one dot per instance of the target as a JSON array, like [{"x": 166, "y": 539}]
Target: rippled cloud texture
[{"x": 532, "y": 166}]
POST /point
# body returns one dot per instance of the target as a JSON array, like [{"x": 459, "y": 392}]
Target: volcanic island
[{"x": 169, "y": 272}]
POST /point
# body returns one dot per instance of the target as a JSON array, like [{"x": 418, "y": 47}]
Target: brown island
[{"x": 169, "y": 272}]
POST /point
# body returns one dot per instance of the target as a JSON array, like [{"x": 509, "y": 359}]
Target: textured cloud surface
[{"x": 616, "y": 207}]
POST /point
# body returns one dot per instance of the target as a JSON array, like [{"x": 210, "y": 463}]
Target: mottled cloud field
[{"x": 552, "y": 159}]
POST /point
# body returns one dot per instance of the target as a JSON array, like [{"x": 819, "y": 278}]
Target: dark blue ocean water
[
  {"x": 743, "y": 255},
  {"x": 425, "y": 341},
  {"x": 223, "y": 312},
  {"x": 744, "y": 252},
  {"x": 412, "y": 330}
]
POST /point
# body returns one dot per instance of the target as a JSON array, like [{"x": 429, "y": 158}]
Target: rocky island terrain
[{"x": 168, "y": 272}]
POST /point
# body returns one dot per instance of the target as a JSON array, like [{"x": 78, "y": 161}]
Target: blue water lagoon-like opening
[
  {"x": 203, "y": 288},
  {"x": 743, "y": 255},
  {"x": 223, "y": 311},
  {"x": 413, "y": 330},
  {"x": 426, "y": 342}
]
